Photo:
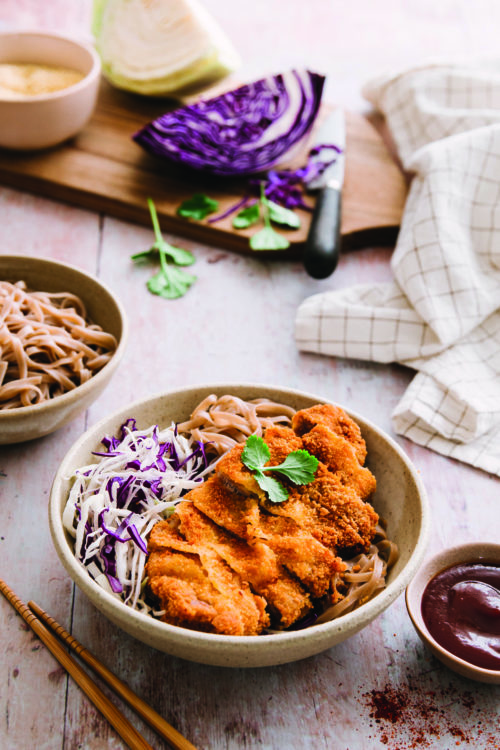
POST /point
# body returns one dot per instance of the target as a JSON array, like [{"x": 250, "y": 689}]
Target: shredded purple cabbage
[{"x": 241, "y": 132}]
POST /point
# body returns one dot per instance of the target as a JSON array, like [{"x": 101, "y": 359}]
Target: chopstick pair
[{"x": 40, "y": 622}]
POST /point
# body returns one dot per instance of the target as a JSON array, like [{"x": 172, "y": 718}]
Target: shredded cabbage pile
[{"x": 114, "y": 503}]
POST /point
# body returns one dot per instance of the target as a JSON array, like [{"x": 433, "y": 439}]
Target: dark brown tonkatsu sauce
[{"x": 461, "y": 609}]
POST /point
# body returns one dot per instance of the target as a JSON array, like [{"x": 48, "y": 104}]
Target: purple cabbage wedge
[{"x": 241, "y": 132}]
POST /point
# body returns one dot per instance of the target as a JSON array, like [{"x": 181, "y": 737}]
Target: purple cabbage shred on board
[
  {"x": 240, "y": 132},
  {"x": 285, "y": 186},
  {"x": 232, "y": 209}
]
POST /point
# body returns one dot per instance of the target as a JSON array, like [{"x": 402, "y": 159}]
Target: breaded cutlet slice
[
  {"x": 311, "y": 516},
  {"x": 236, "y": 511},
  {"x": 197, "y": 589},
  {"x": 256, "y": 563},
  {"x": 303, "y": 555},
  {"x": 339, "y": 456},
  {"x": 299, "y": 552},
  {"x": 336, "y": 419},
  {"x": 351, "y": 520}
]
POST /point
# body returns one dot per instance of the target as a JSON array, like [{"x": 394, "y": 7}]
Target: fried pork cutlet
[
  {"x": 229, "y": 556},
  {"x": 297, "y": 550},
  {"x": 196, "y": 588},
  {"x": 256, "y": 563},
  {"x": 336, "y": 420},
  {"x": 339, "y": 456}
]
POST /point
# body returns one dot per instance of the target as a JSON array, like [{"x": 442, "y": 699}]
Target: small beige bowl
[
  {"x": 400, "y": 499},
  {"x": 464, "y": 553},
  {"x": 47, "y": 119},
  {"x": 30, "y": 422}
]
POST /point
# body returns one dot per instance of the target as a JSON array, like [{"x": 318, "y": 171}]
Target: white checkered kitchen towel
[{"x": 441, "y": 314}]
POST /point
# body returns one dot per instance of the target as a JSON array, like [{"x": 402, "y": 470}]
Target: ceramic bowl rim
[
  {"x": 363, "y": 615},
  {"x": 466, "y": 552},
  {"x": 89, "y": 385},
  {"x": 88, "y": 78}
]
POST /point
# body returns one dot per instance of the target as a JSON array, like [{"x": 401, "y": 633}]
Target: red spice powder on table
[{"x": 407, "y": 718}]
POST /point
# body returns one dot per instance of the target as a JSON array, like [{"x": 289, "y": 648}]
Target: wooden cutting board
[{"x": 103, "y": 169}]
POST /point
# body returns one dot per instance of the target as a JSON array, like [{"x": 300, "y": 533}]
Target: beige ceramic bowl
[
  {"x": 47, "y": 119},
  {"x": 400, "y": 498},
  {"x": 29, "y": 422},
  {"x": 465, "y": 553}
]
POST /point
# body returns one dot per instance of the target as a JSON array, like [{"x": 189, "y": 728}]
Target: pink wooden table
[{"x": 380, "y": 689}]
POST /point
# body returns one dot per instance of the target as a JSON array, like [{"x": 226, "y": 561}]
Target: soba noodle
[
  {"x": 47, "y": 345},
  {"x": 225, "y": 421},
  {"x": 364, "y": 577}
]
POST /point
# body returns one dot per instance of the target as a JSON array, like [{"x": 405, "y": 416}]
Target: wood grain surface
[
  {"x": 103, "y": 169},
  {"x": 380, "y": 690}
]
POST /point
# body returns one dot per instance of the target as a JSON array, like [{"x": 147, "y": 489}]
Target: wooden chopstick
[
  {"x": 159, "y": 724},
  {"x": 125, "y": 729}
]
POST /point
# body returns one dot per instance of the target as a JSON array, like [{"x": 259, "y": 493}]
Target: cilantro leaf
[
  {"x": 274, "y": 489},
  {"x": 145, "y": 254},
  {"x": 255, "y": 453},
  {"x": 197, "y": 207},
  {"x": 268, "y": 239},
  {"x": 170, "y": 282},
  {"x": 179, "y": 256},
  {"x": 299, "y": 467},
  {"x": 281, "y": 215},
  {"x": 247, "y": 217}
]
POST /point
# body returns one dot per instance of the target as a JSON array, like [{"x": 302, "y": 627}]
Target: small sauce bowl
[
  {"x": 44, "y": 120},
  {"x": 475, "y": 552}
]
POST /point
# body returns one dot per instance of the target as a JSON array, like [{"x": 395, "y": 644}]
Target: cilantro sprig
[
  {"x": 267, "y": 238},
  {"x": 170, "y": 282},
  {"x": 199, "y": 206},
  {"x": 299, "y": 467}
]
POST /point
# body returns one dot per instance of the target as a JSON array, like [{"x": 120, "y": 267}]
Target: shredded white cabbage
[{"x": 124, "y": 494}]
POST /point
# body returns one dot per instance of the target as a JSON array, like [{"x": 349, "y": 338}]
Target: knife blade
[{"x": 322, "y": 247}]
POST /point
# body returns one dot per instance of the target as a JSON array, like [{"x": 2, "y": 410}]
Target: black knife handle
[{"x": 322, "y": 248}]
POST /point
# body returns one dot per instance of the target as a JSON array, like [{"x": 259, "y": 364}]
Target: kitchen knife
[{"x": 322, "y": 247}]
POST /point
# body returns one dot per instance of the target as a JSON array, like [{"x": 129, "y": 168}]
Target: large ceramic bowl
[
  {"x": 473, "y": 552},
  {"x": 47, "y": 119},
  {"x": 103, "y": 308},
  {"x": 400, "y": 499}
]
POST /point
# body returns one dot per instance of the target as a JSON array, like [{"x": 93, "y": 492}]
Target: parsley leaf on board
[
  {"x": 247, "y": 217},
  {"x": 281, "y": 215},
  {"x": 267, "y": 238},
  {"x": 299, "y": 467},
  {"x": 198, "y": 207},
  {"x": 170, "y": 281}
]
